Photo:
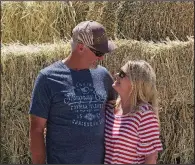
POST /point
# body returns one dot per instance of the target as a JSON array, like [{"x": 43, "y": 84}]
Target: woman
[{"x": 132, "y": 125}]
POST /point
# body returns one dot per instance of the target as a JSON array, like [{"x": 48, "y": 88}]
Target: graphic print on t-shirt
[
  {"x": 72, "y": 102},
  {"x": 86, "y": 103}
]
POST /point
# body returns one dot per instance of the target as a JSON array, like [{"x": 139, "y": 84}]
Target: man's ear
[{"x": 80, "y": 47}]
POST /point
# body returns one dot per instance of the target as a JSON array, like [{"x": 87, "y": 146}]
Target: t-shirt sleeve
[
  {"x": 41, "y": 98},
  {"x": 149, "y": 134}
]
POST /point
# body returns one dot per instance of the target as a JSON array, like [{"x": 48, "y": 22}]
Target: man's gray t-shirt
[{"x": 73, "y": 103}]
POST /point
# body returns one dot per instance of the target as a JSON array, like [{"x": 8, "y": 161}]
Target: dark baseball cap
[{"x": 93, "y": 35}]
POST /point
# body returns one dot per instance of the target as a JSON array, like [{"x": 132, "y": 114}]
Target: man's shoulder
[
  {"x": 102, "y": 69},
  {"x": 51, "y": 68}
]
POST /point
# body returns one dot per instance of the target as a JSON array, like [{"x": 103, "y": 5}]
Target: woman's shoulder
[
  {"x": 145, "y": 109},
  {"x": 147, "y": 114}
]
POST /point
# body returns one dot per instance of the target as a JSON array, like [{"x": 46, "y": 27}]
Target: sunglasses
[
  {"x": 121, "y": 74},
  {"x": 97, "y": 53}
]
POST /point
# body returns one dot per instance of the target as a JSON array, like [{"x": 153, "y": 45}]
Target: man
[{"x": 68, "y": 98}]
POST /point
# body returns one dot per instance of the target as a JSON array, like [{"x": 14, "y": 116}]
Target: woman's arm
[
  {"x": 151, "y": 158},
  {"x": 110, "y": 104}
]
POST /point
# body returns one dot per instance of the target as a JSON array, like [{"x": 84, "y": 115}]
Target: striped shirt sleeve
[{"x": 149, "y": 132}]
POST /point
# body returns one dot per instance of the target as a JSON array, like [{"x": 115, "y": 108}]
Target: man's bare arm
[{"x": 37, "y": 144}]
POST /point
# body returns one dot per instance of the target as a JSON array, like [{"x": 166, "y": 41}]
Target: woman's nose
[{"x": 116, "y": 77}]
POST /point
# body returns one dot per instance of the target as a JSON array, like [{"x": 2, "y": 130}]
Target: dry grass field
[
  {"x": 172, "y": 61},
  {"x": 38, "y": 22},
  {"x": 35, "y": 34}
]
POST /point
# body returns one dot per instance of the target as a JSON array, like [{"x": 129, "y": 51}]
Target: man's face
[{"x": 91, "y": 56}]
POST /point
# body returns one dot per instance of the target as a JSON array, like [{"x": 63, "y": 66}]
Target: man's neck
[{"x": 74, "y": 63}]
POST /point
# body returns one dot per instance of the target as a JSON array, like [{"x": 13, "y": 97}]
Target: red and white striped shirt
[{"x": 129, "y": 138}]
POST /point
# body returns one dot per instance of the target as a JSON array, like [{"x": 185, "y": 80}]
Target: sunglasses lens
[
  {"x": 122, "y": 74},
  {"x": 97, "y": 53}
]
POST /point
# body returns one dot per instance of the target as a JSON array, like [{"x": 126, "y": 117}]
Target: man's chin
[{"x": 94, "y": 65}]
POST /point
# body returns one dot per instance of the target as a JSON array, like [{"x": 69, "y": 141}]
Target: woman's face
[{"x": 122, "y": 84}]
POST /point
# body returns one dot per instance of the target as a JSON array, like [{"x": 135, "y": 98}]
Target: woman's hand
[
  {"x": 110, "y": 105},
  {"x": 45, "y": 131},
  {"x": 111, "y": 102}
]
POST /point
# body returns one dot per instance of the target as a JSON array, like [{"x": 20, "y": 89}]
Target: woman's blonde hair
[{"x": 143, "y": 82}]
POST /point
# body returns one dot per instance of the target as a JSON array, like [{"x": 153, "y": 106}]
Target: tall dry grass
[
  {"x": 156, "y": 20},
  {"x": 31, "y": 22},
  {"x": 172, "y": 61},
  {"x": 28, "y": 22}
]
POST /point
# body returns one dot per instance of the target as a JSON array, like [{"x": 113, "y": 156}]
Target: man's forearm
[{"x": 37, "y": 147}]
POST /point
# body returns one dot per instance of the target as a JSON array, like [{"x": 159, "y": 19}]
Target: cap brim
[{"x": 107, "y": 47}]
